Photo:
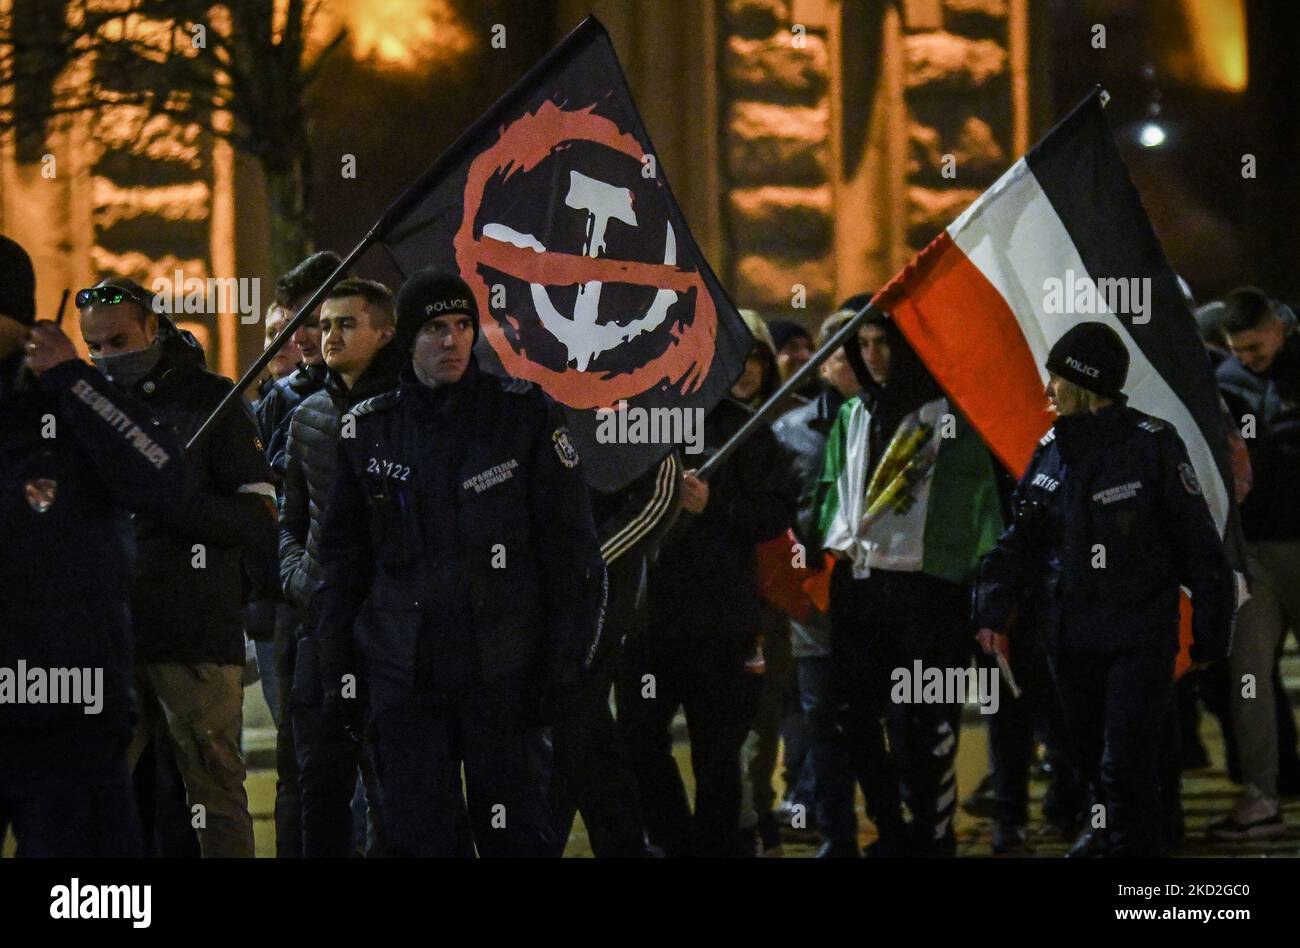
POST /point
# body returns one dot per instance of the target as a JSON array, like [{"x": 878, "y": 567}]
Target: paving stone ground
[{"x": 1206, "y": 794}]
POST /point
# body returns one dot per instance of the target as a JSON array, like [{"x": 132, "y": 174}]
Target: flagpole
[
  {"x": 584, "y": 32},
  {"x": 263, "y": 360},
  {"x": 792, "y": 383}
]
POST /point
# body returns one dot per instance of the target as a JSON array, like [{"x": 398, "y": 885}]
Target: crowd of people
[{"x": 463, "y": 646}]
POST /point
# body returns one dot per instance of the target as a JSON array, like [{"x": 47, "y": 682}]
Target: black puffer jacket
[
  {"x": 1271, "y": 511},
  {"x": 311, "y": 454}
]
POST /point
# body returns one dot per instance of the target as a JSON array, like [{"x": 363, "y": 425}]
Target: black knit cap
[
  {"x": 17, "y": 283},
  {"x": 783, "y": 330},
  {"x": 430, "y": 293},
  {"x": 1092, "y": 356}
]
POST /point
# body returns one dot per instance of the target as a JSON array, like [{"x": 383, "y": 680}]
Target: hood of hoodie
[
  {"x": 179, "y": 345},
  {"x": 910, "y": 383}
]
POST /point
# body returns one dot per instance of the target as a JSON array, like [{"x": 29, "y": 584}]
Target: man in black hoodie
[
  {"x": 705, "y": 616},
  {"x": 356, "y": 328},
  {"x": 186, "y": 601},
  {"x": 888, "y": 610}
]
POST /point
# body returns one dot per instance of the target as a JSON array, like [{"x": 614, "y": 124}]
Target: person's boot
[
  {"x": 982, "y": 801},
  {"x": 769, "y": 836},
  {"x": 838, "y": 849},
  {"x": 1009, "y": 838},
  {"x": 1255, "y": 816},
  {"x": 1087, "y": 846}
]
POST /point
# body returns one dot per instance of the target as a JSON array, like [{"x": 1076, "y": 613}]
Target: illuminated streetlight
[{"x": 1152, "y": 135}]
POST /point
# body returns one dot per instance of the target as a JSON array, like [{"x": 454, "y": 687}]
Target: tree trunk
[{"x": 289, "y": 198}]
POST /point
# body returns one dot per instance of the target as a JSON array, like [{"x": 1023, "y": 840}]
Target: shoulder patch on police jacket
[
  {"x": 564, "y": 448},
  {"x": 376, "y": 403},
  {"x": 1153, "y": 425},
  {"x": 1049, "y": 437},
  {"x": 516, "y": 386}
]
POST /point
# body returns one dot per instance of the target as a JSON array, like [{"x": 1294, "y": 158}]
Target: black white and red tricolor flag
[
  {"x": 1061, "y": 237},
  {"x": 554, "y": 209}
]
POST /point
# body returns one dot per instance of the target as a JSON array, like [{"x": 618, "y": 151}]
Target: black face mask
[{"x": 129, "y": 368}]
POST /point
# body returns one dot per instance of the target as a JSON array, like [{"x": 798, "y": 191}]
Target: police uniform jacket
[
  {"x": 459, "y": 540},
  {"x": 1109, "y": 521}
]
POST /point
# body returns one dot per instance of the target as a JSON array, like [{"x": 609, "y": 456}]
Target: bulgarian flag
[
  {"x": 930, "y": 504},
  {"x": 1061, "y": 237}
]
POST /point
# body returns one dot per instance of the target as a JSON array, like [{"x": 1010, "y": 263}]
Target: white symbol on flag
[{"x": 582, "y": 336}]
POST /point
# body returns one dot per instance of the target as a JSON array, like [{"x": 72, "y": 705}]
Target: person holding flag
[
  {"x": 908, "y": 504},
  {"x": 1109, "y": 521}
]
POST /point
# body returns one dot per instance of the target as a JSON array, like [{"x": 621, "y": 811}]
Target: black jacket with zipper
[
  {"x": 64, "y": 565},
  {"x": 188, "y": 590},
  {"x": 705, "y": 579},
  {"x": 1271, "y": 511},
  {"x": 458, "y": 543},
  {"x": 311, "y": 453}
]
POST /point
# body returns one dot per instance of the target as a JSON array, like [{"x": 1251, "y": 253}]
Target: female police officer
[{"x": 1109, "y": 522}]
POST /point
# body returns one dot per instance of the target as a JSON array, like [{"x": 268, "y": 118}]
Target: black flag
[{"x": 556, "y": 212}]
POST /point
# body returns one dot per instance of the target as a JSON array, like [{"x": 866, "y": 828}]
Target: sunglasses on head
[{"x": 108, "y": 296}]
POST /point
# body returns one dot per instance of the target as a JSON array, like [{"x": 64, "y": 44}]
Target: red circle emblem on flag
[{"x": 687, "y": 345}]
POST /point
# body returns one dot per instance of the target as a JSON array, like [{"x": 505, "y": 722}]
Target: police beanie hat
[
  {"x": 17, "y": 283},
  {"x": 1092, "y": 356},
  {"x": 430, "y": 293}
]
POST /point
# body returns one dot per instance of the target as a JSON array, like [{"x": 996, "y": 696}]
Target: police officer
[
  {"x": 459, "y": 540},
  {"x": 74, "y": 451},
  {"x": 1109, "y": 522}
]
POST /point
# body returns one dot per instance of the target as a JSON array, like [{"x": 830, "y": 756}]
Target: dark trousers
[
  {"x": 418, "y": 749},
  {"x": 591, "y": 774},
  {"x": 1014, "y": 731},
  {"x": 777, "y": 699},
  {"x": 1116, "y": 709},
  {"x": 884, "y": 622},
  {"x": 704, "y": 675},
  {"x": 70, "y": 796},
  {"x": 288, "y": 800},
  {"x": 829, "y": 754},
  {"x": 329, "y": 760},
  {"x": 166, "y": 827}
]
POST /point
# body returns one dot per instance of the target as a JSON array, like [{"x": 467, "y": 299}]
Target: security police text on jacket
[
  {"x": 459, "y": 539},
  {"x": 1118, "y": 483},
  {"x": 75, "y": 452}
]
